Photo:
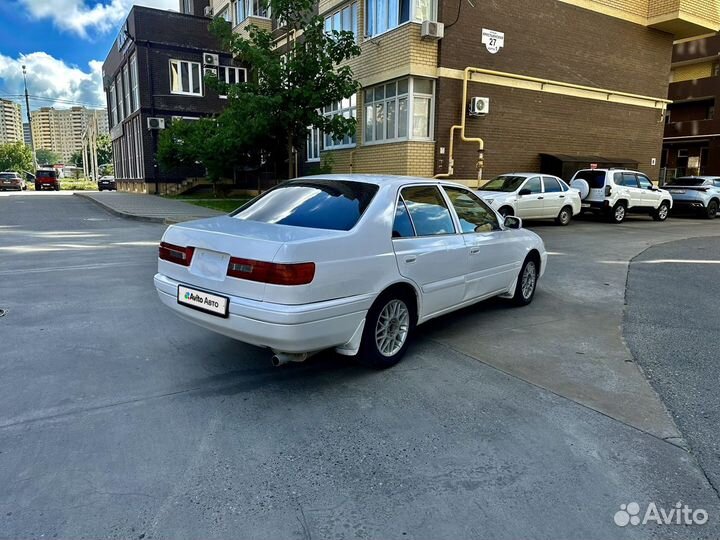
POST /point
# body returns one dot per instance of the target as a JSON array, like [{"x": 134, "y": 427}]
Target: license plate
[
  {"x": 585, "y": 205},
  {"x": 203, "y": 301},
  {"x": 677, "y": 191}
]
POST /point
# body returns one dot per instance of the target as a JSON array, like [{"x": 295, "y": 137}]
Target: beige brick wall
[
  {"x": 691, "y": 72},
  {"x": 257, "y": 21},
  {"x": 413, "y": 158},
  {"x": 708, "y": 10}
]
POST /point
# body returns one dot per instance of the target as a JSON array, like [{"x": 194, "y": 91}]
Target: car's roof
[
  {"x": 9, "y": 172},
  {"x": 704, "y": 177},
  {"x": 378, "y": 179}
]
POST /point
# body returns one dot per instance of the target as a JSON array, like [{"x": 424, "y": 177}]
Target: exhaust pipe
[{"x": 278, "y": 359}]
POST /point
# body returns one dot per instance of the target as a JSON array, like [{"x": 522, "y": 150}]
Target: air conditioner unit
[
  {"x": 208, "y": 11},
  {"x": 212, "y": 71},
  {"x": 210, "y": 59},
  {"x": 156, "y": 123},
  {"x": 432, "y": 30},
  {"x": 478, "y": 106}
]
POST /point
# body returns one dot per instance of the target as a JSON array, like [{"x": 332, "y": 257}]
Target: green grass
[
  {"x": 82, "y": 184},
  {"x": 223, "y": 205}
]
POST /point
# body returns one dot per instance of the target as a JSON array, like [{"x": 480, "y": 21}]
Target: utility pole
[{"x": 29, "y": 119}]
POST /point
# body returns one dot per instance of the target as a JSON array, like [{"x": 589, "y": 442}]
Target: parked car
[
  {"x": 532, "y": 196},
  {"x": 12, "y": 180},
  {"x": 351, "y": 262},
  {"x": 700, "y": 194},
  {"x": 616, "y": 192},
  {"x": 47, "y": 178},
  {"x": 107, "y": 182}
]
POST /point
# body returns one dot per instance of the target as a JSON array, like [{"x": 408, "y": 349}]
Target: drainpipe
[{"x": 463, "y": 121}]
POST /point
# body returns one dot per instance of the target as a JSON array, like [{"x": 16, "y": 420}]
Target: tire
[
  {"x": 38, "y": 187},
  {"x": 661, "y": 214},
  {"x": 618, "y": 213},
  {"x": 506, "y": 211},
  {"x": 564, "y": 217},
  {"x": 24, "y": 188},
  {"x": 397, "y": 312},
  {"x": 711, "y": 210},
  {"x": 56, "y": 187},
  {"x": 527, "y": 282}
]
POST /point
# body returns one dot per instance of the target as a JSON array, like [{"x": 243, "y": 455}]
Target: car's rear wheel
[
  {"x": 389, "y": 324},
  {"x": 711, "y": 210},
  {"x": 37, "y": 187},
  {"x": 527, "y": 282},
  {"x": 618, "y": 213},
  {"x": 661, "y": 214},
  {"x": 564, "y": 217}
]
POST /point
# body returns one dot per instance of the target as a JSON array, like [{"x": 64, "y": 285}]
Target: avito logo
[{"x": 629, "y": 514}]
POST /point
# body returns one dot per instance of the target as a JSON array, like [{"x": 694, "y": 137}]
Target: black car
[{"x": 107, "y": 182}]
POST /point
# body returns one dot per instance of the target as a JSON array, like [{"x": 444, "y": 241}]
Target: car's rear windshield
[
  {"x": 6, "y": 175},
  {"x": 318, "y": 204},
  {"x": 595, "y": 179},
  {"x": 508, "y": 183},
  {"x": 686, "y": 181},
  {"x": 46, "y": 174}
]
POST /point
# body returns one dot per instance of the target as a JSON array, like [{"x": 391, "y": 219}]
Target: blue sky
[{"x": 63, "y": 43}]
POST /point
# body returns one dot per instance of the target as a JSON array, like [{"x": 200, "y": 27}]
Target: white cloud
[
  {"x": 84, "y": 18},
  {"x": 60, "y": 84}
]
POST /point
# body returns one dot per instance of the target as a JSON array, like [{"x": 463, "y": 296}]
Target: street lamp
[{"x": 29, "y": 119}]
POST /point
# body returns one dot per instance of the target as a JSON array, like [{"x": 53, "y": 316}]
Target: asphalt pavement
[
  {"x": 672, "y": 326},
  {"x": 118, "y": 419}
]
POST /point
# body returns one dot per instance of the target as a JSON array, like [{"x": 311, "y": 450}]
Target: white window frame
[
  {"x": 354, "y": 13},
  {"x": 113, "y": 105},
  {"x": 135, "y": 85},
  {"x": 347, "y": 108},
  {"x": 249, "y": 10},
  {"x": 227, "y": 69},
  {"x": 312, "y": 145},
  {"x": 126, "y": 90},
  {"x": 410, "y": 96},
  {"x": 178, "y": 62},
  {"x": 226, "y": 13},
  {"x": 413, "y": 15}
]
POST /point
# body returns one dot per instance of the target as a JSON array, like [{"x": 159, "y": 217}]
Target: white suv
[{"x": 615, "y": 192}]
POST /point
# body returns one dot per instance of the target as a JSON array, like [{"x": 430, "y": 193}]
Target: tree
[
  {"x": 77, "y": 159},
  {"x": 270, "y": 114},
  {"x": 47, "y": 157},
  {"x": 16, "y": 156},
  {"x": 104, "y": 150}
]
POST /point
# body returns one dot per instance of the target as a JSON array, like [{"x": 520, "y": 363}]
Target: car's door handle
[
  {"x": 539, "y": 198},
  {"x": 474, "y": 251},
  {"x": 562, "y": 196},
  {"x": 410, "y": 259}
]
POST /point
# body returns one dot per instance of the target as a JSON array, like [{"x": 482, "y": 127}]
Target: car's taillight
[
  {"x": 608, "y": 190},
  {"x": 176, "y": 254},
  {"x": 275, "y": 274}
]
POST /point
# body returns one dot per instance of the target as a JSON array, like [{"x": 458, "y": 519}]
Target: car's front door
[
  {"x": 530, "y": 199},
  {"x": 651, "y": 197},
  {"x": 555, "y": 197},
  {"x": 495, "y": 254},
  {"x": 634, "y": 193},
  {"x": 427, "y": 248}
]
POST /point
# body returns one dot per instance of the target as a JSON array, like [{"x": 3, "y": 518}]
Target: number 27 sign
[{"x": 493, "y": 41}]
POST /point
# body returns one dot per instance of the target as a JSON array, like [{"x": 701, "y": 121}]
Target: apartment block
[
  {"x": 549, "y": 80},
  {"x": 61, "y": 130},
  {"x": 11, "y": 127},
  {"x": 692, "y": 130}
]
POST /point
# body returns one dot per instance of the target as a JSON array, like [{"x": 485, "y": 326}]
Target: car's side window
[
  {"x": 402, "y": 226},
  {"x": 644, "y": 181},
  {"x": 474, "y": 215},
  {"x": 551, "y": 185},
  {"x": 534, "y": 185},
  {"x": 428, "y": 211},
  {"x": 618, "y": 178},
  {"x": 717, "y": 183},
  {"x": 629, "y": 180}
]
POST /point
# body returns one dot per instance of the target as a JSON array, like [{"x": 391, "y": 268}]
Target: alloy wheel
[
  {"x": 391, "y": 330},
  {"x": 529, "y": 278}
]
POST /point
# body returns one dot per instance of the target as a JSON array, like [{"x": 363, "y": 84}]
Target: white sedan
[
  {"x": 532, "y": 196},
  {"x": 350, "y": 262}
]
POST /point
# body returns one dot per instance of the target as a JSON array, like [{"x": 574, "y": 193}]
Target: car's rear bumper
[
  {"x": 688, "y": 204},
  {"x": 280, "y": 327}
]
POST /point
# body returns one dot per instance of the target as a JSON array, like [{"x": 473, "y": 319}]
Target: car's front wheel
[
  {"x": 527, "y": 282},
  {"x": 564, "y": 217},
  {"x": 711, "y": 210},
  {"x": 388, "y": 327},
  {"x": 661, "y": 214}
]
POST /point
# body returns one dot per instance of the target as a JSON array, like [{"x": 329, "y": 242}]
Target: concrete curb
[{"x": 128, "y": 215}]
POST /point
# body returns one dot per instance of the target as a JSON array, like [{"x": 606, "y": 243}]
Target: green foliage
[
  {"x": 16, "y": 157},
  {"x": 47, "y": 157},
  {"x": 269, "y": 115},
  {"x": 104, "y": 150},
  {"x": 325, "y": 166}
]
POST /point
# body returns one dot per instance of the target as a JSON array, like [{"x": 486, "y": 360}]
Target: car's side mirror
[
  {"x": 513, "y": 222},
  {"x": 524, "y": 191}
]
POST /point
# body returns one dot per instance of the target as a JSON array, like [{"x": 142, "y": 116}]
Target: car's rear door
[
  {"x": 495, "y": 254},
  {"x": 554, "y": 197},
  {"x": 531, "y": 205},
  {"x": 428, "y": 249}
]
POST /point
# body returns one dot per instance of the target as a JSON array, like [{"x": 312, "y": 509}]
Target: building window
[
  {"x": 126, "y": 90},
  {"x": 343, "y": 20},
  {"x": 186, "y": 6},
  {"x": 399, "y": 110},
  {"x": 119, "y": 97},
  {"x": 231, "y": 75},
  {"x": 226, "y": 14},
  {"x": 185, "y": 78},
  {"x": 312, "y": 146},
  {"x": 250, "y": 8},
  {"x": 113, "y": 106},
  {"x": 135, "y": 85},
  {"x": 384, "y": 15},
  {"x": 348, "y": 109}
]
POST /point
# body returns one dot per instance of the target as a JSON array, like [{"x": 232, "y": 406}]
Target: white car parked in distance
[
  {"x": 351, "y": 262},
  {"x": 532, "y": 196}
]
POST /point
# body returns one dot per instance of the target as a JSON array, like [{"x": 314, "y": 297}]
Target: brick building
[
  {"x": 585, "y": 80},
  {"x": 154, "y": 75},
  {"x": 692, "y": 131}
]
